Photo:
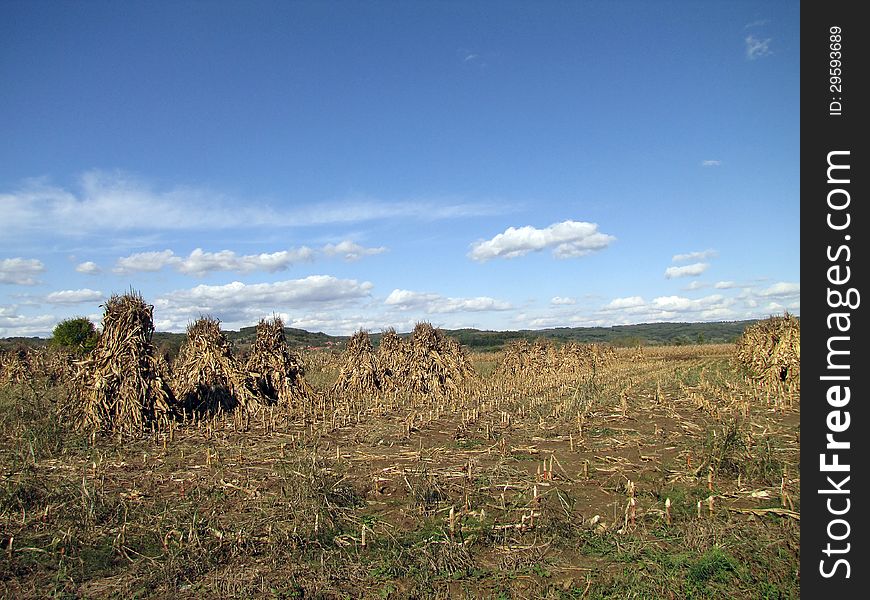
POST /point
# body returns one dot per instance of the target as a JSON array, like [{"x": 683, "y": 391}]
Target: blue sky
[{"x": 500, "y": 165}]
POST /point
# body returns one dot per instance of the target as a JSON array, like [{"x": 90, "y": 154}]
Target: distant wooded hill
[{"x": 645, "y": 334}]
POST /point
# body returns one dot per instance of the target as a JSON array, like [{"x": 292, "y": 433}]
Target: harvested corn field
[{"x": 664, "y": 473}]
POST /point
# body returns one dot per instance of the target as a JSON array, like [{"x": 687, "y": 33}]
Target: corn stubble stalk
[
  {"x": 276, "y": 373},
  {"x": 123, "y": 384},
  {"x": 207, "y": 377}
]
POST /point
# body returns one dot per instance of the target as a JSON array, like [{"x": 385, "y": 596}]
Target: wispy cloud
[
  {"x": 757, "y": 23},
  {"x": 692, "y": 270},
  {"x": 20, "y": 271},
  {"x": 562, "y": 301},
  {"x": 569, "y": 239},
  {"x": 471, "y": 58},
  {"x": 711, "y": 163},
  {"x": 731, "y": 285},
  {"x": 703, "y": 255},
  {"x": 107, "y": 202},
  {"x": 756, "y": 47}
]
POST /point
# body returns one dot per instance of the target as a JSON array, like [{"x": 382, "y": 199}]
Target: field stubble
[{"x": 665, "y": 473}]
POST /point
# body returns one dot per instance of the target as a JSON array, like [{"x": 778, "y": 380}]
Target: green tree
[{"x": 77, "y": 334}]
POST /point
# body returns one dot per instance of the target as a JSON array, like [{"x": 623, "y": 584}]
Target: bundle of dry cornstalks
[
  {"x": 122, "y": 384},
  {"x": 277, "y": 374},
  {"x": 579, "y": 357},
  {"x": 394, "y": 355},
  {"x": 207, "y": 378},
  {"x": 771, "y": 349},
  {"x": 436, "y": 364},
  {"x": 16, "y": 365},
  {"x": 526, "y": 360},
  {"x": 361, "y": 372},
  {"x": 541, "y": 359}
]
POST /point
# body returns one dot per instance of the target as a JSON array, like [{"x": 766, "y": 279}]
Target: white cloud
[
  {"x": 434, "y": 303},
  {"x": 696, "y": 285},
  {"x": 629, "y": 302},
  {"x": 703, "y": 255},
  {"x": 568, "y": 239},
  {"x": 200, "y": 262},
  {"x": 757, "y": 48},
  {"x": 711, "y": 163},
  {"x": 146, "y": 262},
  {"x": 692, "y": 270},
  {"x": 74, "y": 296},
  {"x": 110, "y": 202},
  {"x": 88, "y": 268},
  {"x": 351, "y": 251},
  {"x": 13, "y": 324},
  {"x": 20, "y": 271},
  {"x": 562, "y": 301},
  {"x": 707, "y": 306},
  {"x": 243, "y": 304},
  {"x": 781, "y": 290}
]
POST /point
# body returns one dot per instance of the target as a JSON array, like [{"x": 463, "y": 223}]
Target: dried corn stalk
[
  {"x": 771, "y": 349},
  {"x": 437, "y": 364},
  {"x": 276, "y": 373},
  {"x": 207, "y": 377},
  {"x": 361, "y": 372},
  {"x": 122, "y": 384}
]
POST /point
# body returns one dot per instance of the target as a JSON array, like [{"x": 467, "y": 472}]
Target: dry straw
[
  {"x": 122, "y": 384},
  {"x": 17, "y": 365},
  {"x": 436, "y": 364},
  {"x": 207, "y": 377},
  {"x": 423, "y": 364},
  {"x": 361, "y": 372},
  {"x": 394, "y": 356},
  {"x": 541, "y": 359},
  {"x": 771, "y": 349},
  {"x": 277, "y": 374}
]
